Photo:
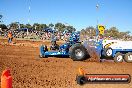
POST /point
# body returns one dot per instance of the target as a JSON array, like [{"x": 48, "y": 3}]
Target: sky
[{"x": 78, "y": 13}]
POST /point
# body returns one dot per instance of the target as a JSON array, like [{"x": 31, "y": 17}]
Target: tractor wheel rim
[
  {"x": 130, "y": 57},
  {"x": 119, "y": 58},
  {"x": 109, "y": 52},
  {"x": 78, "y": 53}
]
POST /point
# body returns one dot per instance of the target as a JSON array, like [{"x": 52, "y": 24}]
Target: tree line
[
  {"x": 111, "y": 32},
  {"x": 90, "y": 31},
  {"x": 36, "y": 26}
]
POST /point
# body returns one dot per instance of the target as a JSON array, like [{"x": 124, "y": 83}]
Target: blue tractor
[
  {"x": 73, "y": 48},
  {"x": 62, "y": 50}
]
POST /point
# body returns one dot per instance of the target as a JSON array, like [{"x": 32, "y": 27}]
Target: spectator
[
  {"x": 10, "y": 37},
  {"x": 53, "y": 37}
]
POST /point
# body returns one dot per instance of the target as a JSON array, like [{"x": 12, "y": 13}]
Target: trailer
[{"x": 117, "y": 50}]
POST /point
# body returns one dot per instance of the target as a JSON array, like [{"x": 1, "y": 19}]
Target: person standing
[{"x": 10, "y": 37}]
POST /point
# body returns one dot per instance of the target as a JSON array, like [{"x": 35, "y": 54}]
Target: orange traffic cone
[{"x": 6, "y": 79}]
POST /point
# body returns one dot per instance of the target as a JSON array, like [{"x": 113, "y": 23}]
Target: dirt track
[{"x": 30, "y": 71}]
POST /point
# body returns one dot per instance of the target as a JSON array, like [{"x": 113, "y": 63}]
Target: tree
[
  {"x": 38, "y": 26},
  {"x": 51, "y": 25},
  {"x": 60, "y": 27},
  {"x": 91, "y": 31},
  {"x": 128, "y": 32},
  {"x": 70, "y": 28},
  {"x": 14, "y": 25},
  {"x": 22, "y": 26},
  {"x": 3, "y": 26},
  {"x": 83, "y": 32},
  {"x": 1, "y": 16},
  {"x": 113, "y": 32},
  {"x": 28, "y": 26},
  {"x": 43, "y": 26}
]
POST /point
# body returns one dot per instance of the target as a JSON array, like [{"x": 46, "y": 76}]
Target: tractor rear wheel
[
  {"x": 128, "y": 57},
  {"x": 78, "y": 52},
  {"x": 118, "y": 57}
]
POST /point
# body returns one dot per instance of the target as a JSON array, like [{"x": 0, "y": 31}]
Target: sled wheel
[
  {"x": 43, "y": 49},
  {"x": 118, "y": 57},
  {"x": 41, "y": 56},
  {"x": 78, "y": 52},
  {"x": 128, "y": 57},
  {"x": 81, "y": 80}
]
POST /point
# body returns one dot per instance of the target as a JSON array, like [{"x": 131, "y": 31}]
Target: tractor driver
[
  {"x": 54, "y": 45},
  {"x": 73, "y": 38}
]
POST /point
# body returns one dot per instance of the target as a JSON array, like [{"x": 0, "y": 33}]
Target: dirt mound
[{"x": 30, "y": 71}]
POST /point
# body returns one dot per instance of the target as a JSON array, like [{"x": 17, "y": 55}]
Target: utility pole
[
  {"x": 97, "y": 35},
  {"x": 29, "y": 15},
  {"x": 97, "y": 10}
]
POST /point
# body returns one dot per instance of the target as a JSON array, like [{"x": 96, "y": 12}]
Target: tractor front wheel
[{"x": 108, "y": 52}]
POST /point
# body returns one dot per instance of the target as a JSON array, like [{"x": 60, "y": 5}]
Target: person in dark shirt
[{"x": 54, "y": 45}]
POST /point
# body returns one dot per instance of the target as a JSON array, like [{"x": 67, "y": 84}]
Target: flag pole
[
  {"x": 29, "y": 16},
  {"x": 97, "y": 8}
]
